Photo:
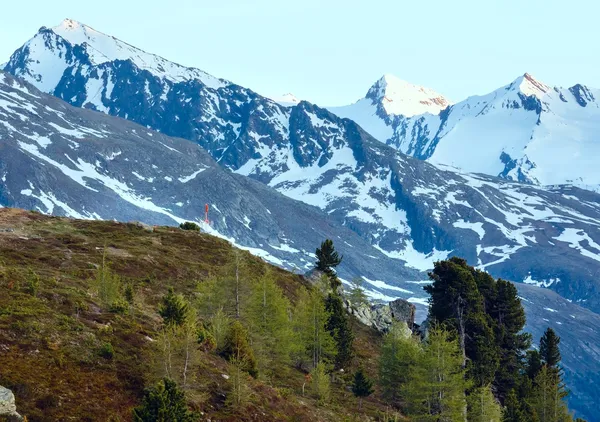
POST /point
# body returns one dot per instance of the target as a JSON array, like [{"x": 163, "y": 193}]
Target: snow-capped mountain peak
[
  {"x": 399, "y": 97},
  {"x": 287, "y": 100},
  {"x": 530, "y": 86},
  {"x": 64, "y": 45}
]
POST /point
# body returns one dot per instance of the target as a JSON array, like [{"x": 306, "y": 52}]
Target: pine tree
[
  {"x": 164, "y": 403},
  {"x": 509, "y": 317},
  {"x": 436, "y": 386},
  {"x": 512, "y": 409},
  {"x": 361, "y": 386},
  {"x": 339, "y": 328},
  {"x": 398, "y": 358},
  {"x": 457, "y": 304},
  {"x": 327, "y": 259},
  {"x": 482, "y": 406},
  {"x": 174, "y": 309},
  {"x": 549, "y": 348},
  {"x": 534, "y": 364}
]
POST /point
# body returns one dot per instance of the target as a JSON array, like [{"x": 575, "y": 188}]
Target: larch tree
[
  {"x": 482, "y": 406},
  {"x": 436, "y": 387}
]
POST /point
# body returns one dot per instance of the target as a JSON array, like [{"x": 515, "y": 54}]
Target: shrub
[
  {"x": 164, "y": 402},
  {"x": 106, "y": 351},
  {"x": 119, "y": 306},
  {"x": 188, "y": 225},
  {"x": 32, "y": 283}
]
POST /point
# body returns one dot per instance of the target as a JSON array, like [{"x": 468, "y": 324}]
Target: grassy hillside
[{"x": 53, "y": 331}]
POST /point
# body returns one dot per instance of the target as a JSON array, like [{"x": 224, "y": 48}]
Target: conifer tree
[
  {"x": 398, "y": 358},
  {"x": 339, "y": 328},
  {"x": 327, "y": 259},
  {"x": 361, "y": 386},
  {"x": 174, "y": 309},
  {"x": 436, "y": 385},
  {"x": 549, "y": 348},
  {"x": 509, "y": 317},
  {"x": 482, "y": 406},
  {"x": 548, "y": 397},
  {"x": 270, "y": 325},
  {"x": 457, "y": 304},
  {"x": 512, "y": 409},
  {"x": 315, "y": 343},
  {"x": 164, "y": 403},
  {"x": 237, "y": 349},
  {"x": 320, "y": 383},
  {"x": 357, "y": 295}
]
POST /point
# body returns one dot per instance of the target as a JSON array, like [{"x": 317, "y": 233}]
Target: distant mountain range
[
  {"x": 281, "y": 174},
  {"x": 525, "y": 131}
]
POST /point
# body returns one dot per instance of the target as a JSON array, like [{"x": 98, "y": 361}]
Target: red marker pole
[{"x": 206, "y": 214}]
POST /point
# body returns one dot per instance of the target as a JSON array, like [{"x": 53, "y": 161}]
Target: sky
[{"x": 330, "y": 52}]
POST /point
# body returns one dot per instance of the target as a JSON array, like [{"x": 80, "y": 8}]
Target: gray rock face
[
  {"x": 381, "y": 316},
  {"x": 8, "y": 408}
]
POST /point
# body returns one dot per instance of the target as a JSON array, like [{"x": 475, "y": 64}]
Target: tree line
[{"x": 471, "y": 360}]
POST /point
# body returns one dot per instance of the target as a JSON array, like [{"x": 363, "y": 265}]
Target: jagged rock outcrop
[
  {"x": 8, "y": 408},
  {"x": 381, "y": 315}
]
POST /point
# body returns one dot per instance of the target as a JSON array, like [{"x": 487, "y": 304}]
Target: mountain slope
[
  {"x": 308, "y": 153},
  {"x": 67, "y": 161},
  {"x": 390, "y": 215},
  {"x": 525, "y": 131}
]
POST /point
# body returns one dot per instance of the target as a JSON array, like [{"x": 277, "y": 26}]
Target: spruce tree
[
  {"x": 164, "y": 403},
  {"x": 174, "y": 309},
  {"x": 361, "y": 386}
]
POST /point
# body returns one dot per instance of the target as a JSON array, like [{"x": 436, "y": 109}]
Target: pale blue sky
[{"x": 331, "y": 51}]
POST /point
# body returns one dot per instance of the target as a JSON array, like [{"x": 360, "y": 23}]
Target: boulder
[
  {"x": 8, "y": 408},
  {"x": 403, "y": 310}
]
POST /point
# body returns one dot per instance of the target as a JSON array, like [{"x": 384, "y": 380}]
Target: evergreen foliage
[
  {"x": 549, "y": 348},
  {"x": 174, "y": 309},
  {"x": 361, "y": 386},
  {"x": 188, "y": 225},
  {"x": 164, "y": 403},
  {"x": 548, "y": 397},
  {"x": 339, "y": 328},
  {"x": 513, "y": 410},
  {"x": 328, "y": 258}
]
